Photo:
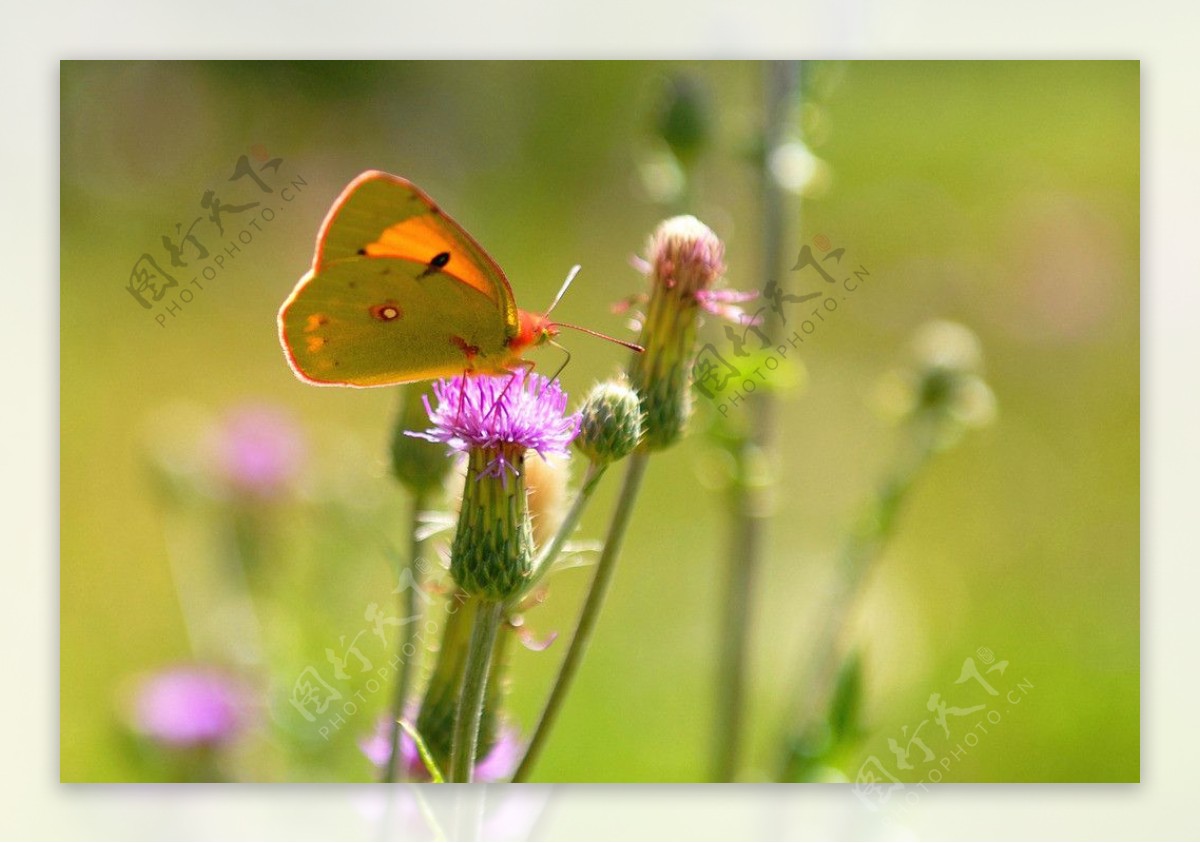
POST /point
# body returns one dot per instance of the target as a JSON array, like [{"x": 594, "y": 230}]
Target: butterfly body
[{"x": 399, "y": 292}]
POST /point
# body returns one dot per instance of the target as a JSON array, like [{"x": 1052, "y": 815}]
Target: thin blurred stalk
[
  {"x": 634, "y": 472},
  {"x": 408, "y": 609},
  {"x": 750, "y": 490},
  {"x": 419, "y": 466},
  {"x": 216, "y": 602},
  {"x": 813, "y": 685},
  {"x": 546, "y": 557}
]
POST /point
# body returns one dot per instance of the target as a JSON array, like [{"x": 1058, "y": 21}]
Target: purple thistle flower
[
  {"x": 504, "y": 415},
  {"x": 188, "y": 706},
  {"x": 499, "y": 763},
  {"x": 260, "y": 451}
]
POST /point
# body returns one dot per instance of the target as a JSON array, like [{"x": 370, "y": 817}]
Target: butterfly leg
[
  {"x": 462, "y": 395},
  {"x": 470, "y": 352},
  {"x": 513, "y": 376}
]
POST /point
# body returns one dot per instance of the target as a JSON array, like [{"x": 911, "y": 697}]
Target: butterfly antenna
[
  {"x": 570, "y": 277},
  {"x": 632, "y": 346}
]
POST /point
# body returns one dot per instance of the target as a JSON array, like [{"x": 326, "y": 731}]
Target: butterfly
[{"x": 399, "y": 292}]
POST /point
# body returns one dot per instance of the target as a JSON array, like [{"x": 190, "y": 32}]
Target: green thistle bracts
[
  {"x": 685, "y": 259},
  {"x": 611, "y": 423},
  {"x": 492, "y": 555},
  {"x": 661, "y": 375}
]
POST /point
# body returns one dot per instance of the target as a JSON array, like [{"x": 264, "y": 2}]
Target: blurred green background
[{"x": 1001, "y": 195}]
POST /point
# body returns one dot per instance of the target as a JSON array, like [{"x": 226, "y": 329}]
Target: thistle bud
[
  {"x": 420, "y": 466},
  {"x": 611, "y": 424},
  {"x": 685, "y": 259},
  {"x": 942, "y": 386},
  {"x": 685, "y": 118},
  {"x": 949, "y": 360}
]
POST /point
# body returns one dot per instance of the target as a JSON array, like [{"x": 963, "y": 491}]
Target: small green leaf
[
  {"x": 435, "y": 775},
  {"x": 845, "y": 709}
]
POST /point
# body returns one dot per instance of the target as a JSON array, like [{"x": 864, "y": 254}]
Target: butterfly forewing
[{"x": 381, "y": 215}]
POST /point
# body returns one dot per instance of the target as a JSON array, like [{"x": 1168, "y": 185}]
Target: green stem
[
  {"x": 812, "y": 687},
  {"x": 545, "y": 559},
  {"x": 408, "y": 609},
  {"x": 744, "y": 561},
  {"x": 634, "y": 473},
  {"x": 748, "y": 517},
  {"x": 470, "y": 700}
]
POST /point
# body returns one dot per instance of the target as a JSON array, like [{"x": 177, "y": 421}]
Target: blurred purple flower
[
  {"x": 188, "y": 706},
  {"x": 502, "y": 761},
  {"x": 498, "y": 764},
  {"x": 260, "y": 451},
  {"x": 505, "y": 415}
]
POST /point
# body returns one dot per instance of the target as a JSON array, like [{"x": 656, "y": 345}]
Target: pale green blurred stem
[
  {"x": 470, "y": 700},
  {"x": 744, "y": 552},
  {"x": 747, "y": 512},
  {"x": 634, "y": 472},
  {"x": 812, "y": 687},
  {"x": 408, "y": 609},
  {"x": 545, "y": 559}
]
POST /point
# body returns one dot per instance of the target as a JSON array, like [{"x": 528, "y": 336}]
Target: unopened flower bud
[
  {"x": 420, "y": 466},
  {"x": 685, "y": 256},
  {"x": 943, "y": 384},
  {"x": 949, "y": 360},
  {"x": 685, "y": 118},
  {"x": 612, "y": 423},
  {"x": 685, "y": 259}
]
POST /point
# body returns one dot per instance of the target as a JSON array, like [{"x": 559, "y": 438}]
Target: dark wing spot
[
  {"x": 363, "y": 250},
  {"x": 437, "y": 262}
]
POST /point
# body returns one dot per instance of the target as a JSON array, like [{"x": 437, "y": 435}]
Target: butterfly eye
[{"x": 387, "y": 311}]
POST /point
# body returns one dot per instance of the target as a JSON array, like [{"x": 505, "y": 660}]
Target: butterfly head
[{"x": 535, "y": 329}]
